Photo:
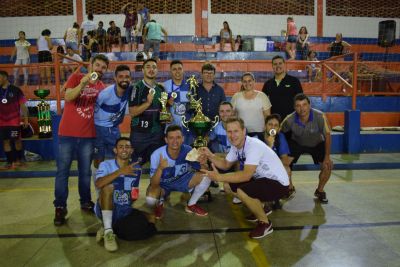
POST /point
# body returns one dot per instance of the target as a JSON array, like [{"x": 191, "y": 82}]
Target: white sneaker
[
  {"x": 110, "y": 244},
  {"x": 236, "y": 200},
  {"x": 100, "y": 235}
]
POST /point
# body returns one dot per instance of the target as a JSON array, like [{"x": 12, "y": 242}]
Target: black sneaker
[
  {"x": 88, "y": 207},
  {"x": 59, "y": 218},
  {"x": 321, "y": 196},
  {"x": 291, "y": 193}
]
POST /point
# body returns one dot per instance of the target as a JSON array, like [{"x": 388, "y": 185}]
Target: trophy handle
[
  {"x": 185, "y": 122},
  {"x": 215, "y": 122}
]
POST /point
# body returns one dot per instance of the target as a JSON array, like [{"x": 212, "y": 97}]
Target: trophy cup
[
  {"x": 44, "y": 118},
  {"x": 199, "y": 124}
]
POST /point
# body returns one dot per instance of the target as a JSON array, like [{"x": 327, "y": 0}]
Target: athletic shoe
[
  {"x": 199, "y": 211},
  {"x": 59, "y": 218},
  {"x": 291, "y": 193},
  {"x": 88, "y": 207},
  {"x": 159, "y": 210},
  {"x": 100, "y": 234},
  {"x": 321, "y": 196},
  {"x": 262, "y": 229},
  {"x": 236, "y": 200},
  {"x": 110, "y": 244},
  {"x": 252, "y": 217},
  {"x": 214, "y": 184}
]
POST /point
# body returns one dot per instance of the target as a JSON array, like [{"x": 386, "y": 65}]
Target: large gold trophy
[
  {"x": 199, "y": 124},
  {"x": 44, "y": 118}
]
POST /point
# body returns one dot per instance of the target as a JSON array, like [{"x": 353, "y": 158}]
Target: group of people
[{"x": 254, "y": 162}]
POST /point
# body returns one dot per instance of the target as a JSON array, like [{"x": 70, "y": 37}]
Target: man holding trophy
[{"x": 148, "y": 108}]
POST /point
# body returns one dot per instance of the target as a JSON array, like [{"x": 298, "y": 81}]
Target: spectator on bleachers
[
  {"x": 93, "y": 45},
  {"x": 313, "y": 72},
  {"x": 239, "y": 42},
  {"x": 282, "y": 88},
  {"x": 291, "y": 38},
  {"x": 147, "y": 132},
  {"x": 87, "y": 26},
  {"x": 338, "y": 47},
  {"x": 302, "y": 44},
  {"x": 180, "y": 104},
  {"x": 70, "y": 55},
  {"x": 11, "y": 106},
  {"x": 76, "y": 135},
  {"x": 309, "y": 133},
  {"x": 130, "y": 24},
  {"x": 21, "y": 51},
  {"x": 72, "y": 37},
  {"x": 101, "y": 36},
  {"x": 152, "y": 37},
  {"x": 210, "y": 92},
  {"x": 226, "y": 36},
  {"x": 145, "y": 16},
  {"x": 251, "y": 106},
  {"x": 45, "y": 46},
  {"x": 113, "y": 36}
]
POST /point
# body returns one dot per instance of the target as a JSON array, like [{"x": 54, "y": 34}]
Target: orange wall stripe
[
  {"x": 320, "y": 18},
  {"x": 79, "y": 11}
]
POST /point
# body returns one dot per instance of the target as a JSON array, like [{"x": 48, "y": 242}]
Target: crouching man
[{"x": 118, "y": 183}]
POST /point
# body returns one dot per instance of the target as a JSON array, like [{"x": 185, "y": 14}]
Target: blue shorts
[
  {"x": 292, "y": 39},
  {"x": 180, "y": 185},
  {"x": 119, "y": 212},
  {"x": 72, "y": 45},
  {"x": 105, "y": 142}
]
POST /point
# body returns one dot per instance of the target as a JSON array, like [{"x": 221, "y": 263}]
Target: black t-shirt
[{"x": 281, "y": 97}]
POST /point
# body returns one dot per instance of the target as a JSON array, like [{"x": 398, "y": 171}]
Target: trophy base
[
  {"x": 45, "y": 135},
  {"x": 200, "y": 142},
  {"x": 165, "y": 116}
]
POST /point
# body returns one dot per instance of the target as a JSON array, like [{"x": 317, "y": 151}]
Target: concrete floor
[{"x": 359, "y": 227}]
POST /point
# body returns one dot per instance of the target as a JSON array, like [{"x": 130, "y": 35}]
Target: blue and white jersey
[
  {"x": 219, "y": 140},
  {"x": 181, "y": 101},
  {"x": 110, "y": 108},
  {"x": 176, "y": 168},
  {"x": 122, "y": 185}
]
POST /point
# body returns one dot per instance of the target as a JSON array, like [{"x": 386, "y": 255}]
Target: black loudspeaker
[{"x": 387, "y": 33}]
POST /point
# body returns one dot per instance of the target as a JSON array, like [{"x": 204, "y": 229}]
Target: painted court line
[{"x": 218, "y": 230}]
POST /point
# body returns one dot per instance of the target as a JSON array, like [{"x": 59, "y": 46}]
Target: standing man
[
  {"x": 12, "y": 103},
  {"x": 211, "y": 94},
  {"x": 147, "y": 132},
  {"x": 109, "y": 114},
  {"x": 145, "y": 16},
  {"x": 261, "y": 177},
  {"x": 180, "y": 104},
  {"x": 152, "y": 38},
  {"x": 282, "y": 88},
  {"x": 118, "y": 182},
  {"x": 87, "y": 26},
  {"x": 130, "y": 23},
  {"x": 310, "y": 134},
  {"x": 76, "y": 135},
  {"x": 171, "y": 171}
]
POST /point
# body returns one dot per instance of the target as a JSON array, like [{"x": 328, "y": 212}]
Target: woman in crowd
[
  {"x": 226, "y": 36},
  {"x": 72, "y": 37},
  {"x": 303, "y": 45},
  {"x": 291, "y": 38},
  {"x": 21, "y": 50},
  {"x": 45, "y": 46}
]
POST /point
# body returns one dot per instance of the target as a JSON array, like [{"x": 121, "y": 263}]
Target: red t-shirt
[
  {"x": 10, "y": 114},
  {"x": 77, "y": 119}
]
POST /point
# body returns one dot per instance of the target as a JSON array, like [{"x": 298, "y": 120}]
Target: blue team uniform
[
  {"x": 109, "y": 113},
  {"x": 122, "y": 189},
  {"x": 283, "y": 148},
  {"x": 177, "y": 176},
  {"x": 219, "y": 141}
]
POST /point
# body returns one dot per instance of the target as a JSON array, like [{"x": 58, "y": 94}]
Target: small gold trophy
[
  {"x": 165, "y": 115},
  {"x": 191, "y": 95},
  {"x": 44, "y": 118}
]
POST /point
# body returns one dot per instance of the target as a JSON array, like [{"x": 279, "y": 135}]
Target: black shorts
[
  {"x": 144, "y": 144},
  {"x": 44, "y": 56},
  {"x": 263, "y": 189},
  {"x": 10, "y": 132},
  {"x": 317, "y": 152}
]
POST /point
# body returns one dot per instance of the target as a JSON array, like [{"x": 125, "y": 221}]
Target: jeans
[{"x": 68, "y": 147}]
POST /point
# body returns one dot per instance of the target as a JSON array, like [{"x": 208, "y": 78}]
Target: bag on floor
[{"x": 134, "y": 226}]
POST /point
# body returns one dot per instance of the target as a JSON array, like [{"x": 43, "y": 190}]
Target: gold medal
[{"x": 94, "y": 76}]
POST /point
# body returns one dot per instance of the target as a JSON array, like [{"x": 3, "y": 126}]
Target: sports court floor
[{"x": 359, "y": 227}]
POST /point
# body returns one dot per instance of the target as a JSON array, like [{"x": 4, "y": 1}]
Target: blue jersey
[
  {"x": 176, "y": 168},
  {"x": 219, "y": 140},
  {"x": 110, "y": 108},
  {"x": 122, "y": 186},
  {"x": 180, "y": 106},
  {"x": 283, "y": 148}
]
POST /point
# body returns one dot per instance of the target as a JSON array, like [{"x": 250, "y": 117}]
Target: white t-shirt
[
  {"x": 74, "y": 56},
  {"x": 251, "y": 110},
  {"x": 22, "y": 49},
  {"x": 88, "y": 25},
  {"x": 256, "y": 152}
]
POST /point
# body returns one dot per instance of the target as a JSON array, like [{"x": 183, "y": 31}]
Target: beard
[{"x": 123, "y": 85}]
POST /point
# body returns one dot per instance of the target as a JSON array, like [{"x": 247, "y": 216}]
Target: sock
[
  {"x": 199, "y": 190},
  {"x": 107, "y": 220},
  {"x": 10, "y": 156}
]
